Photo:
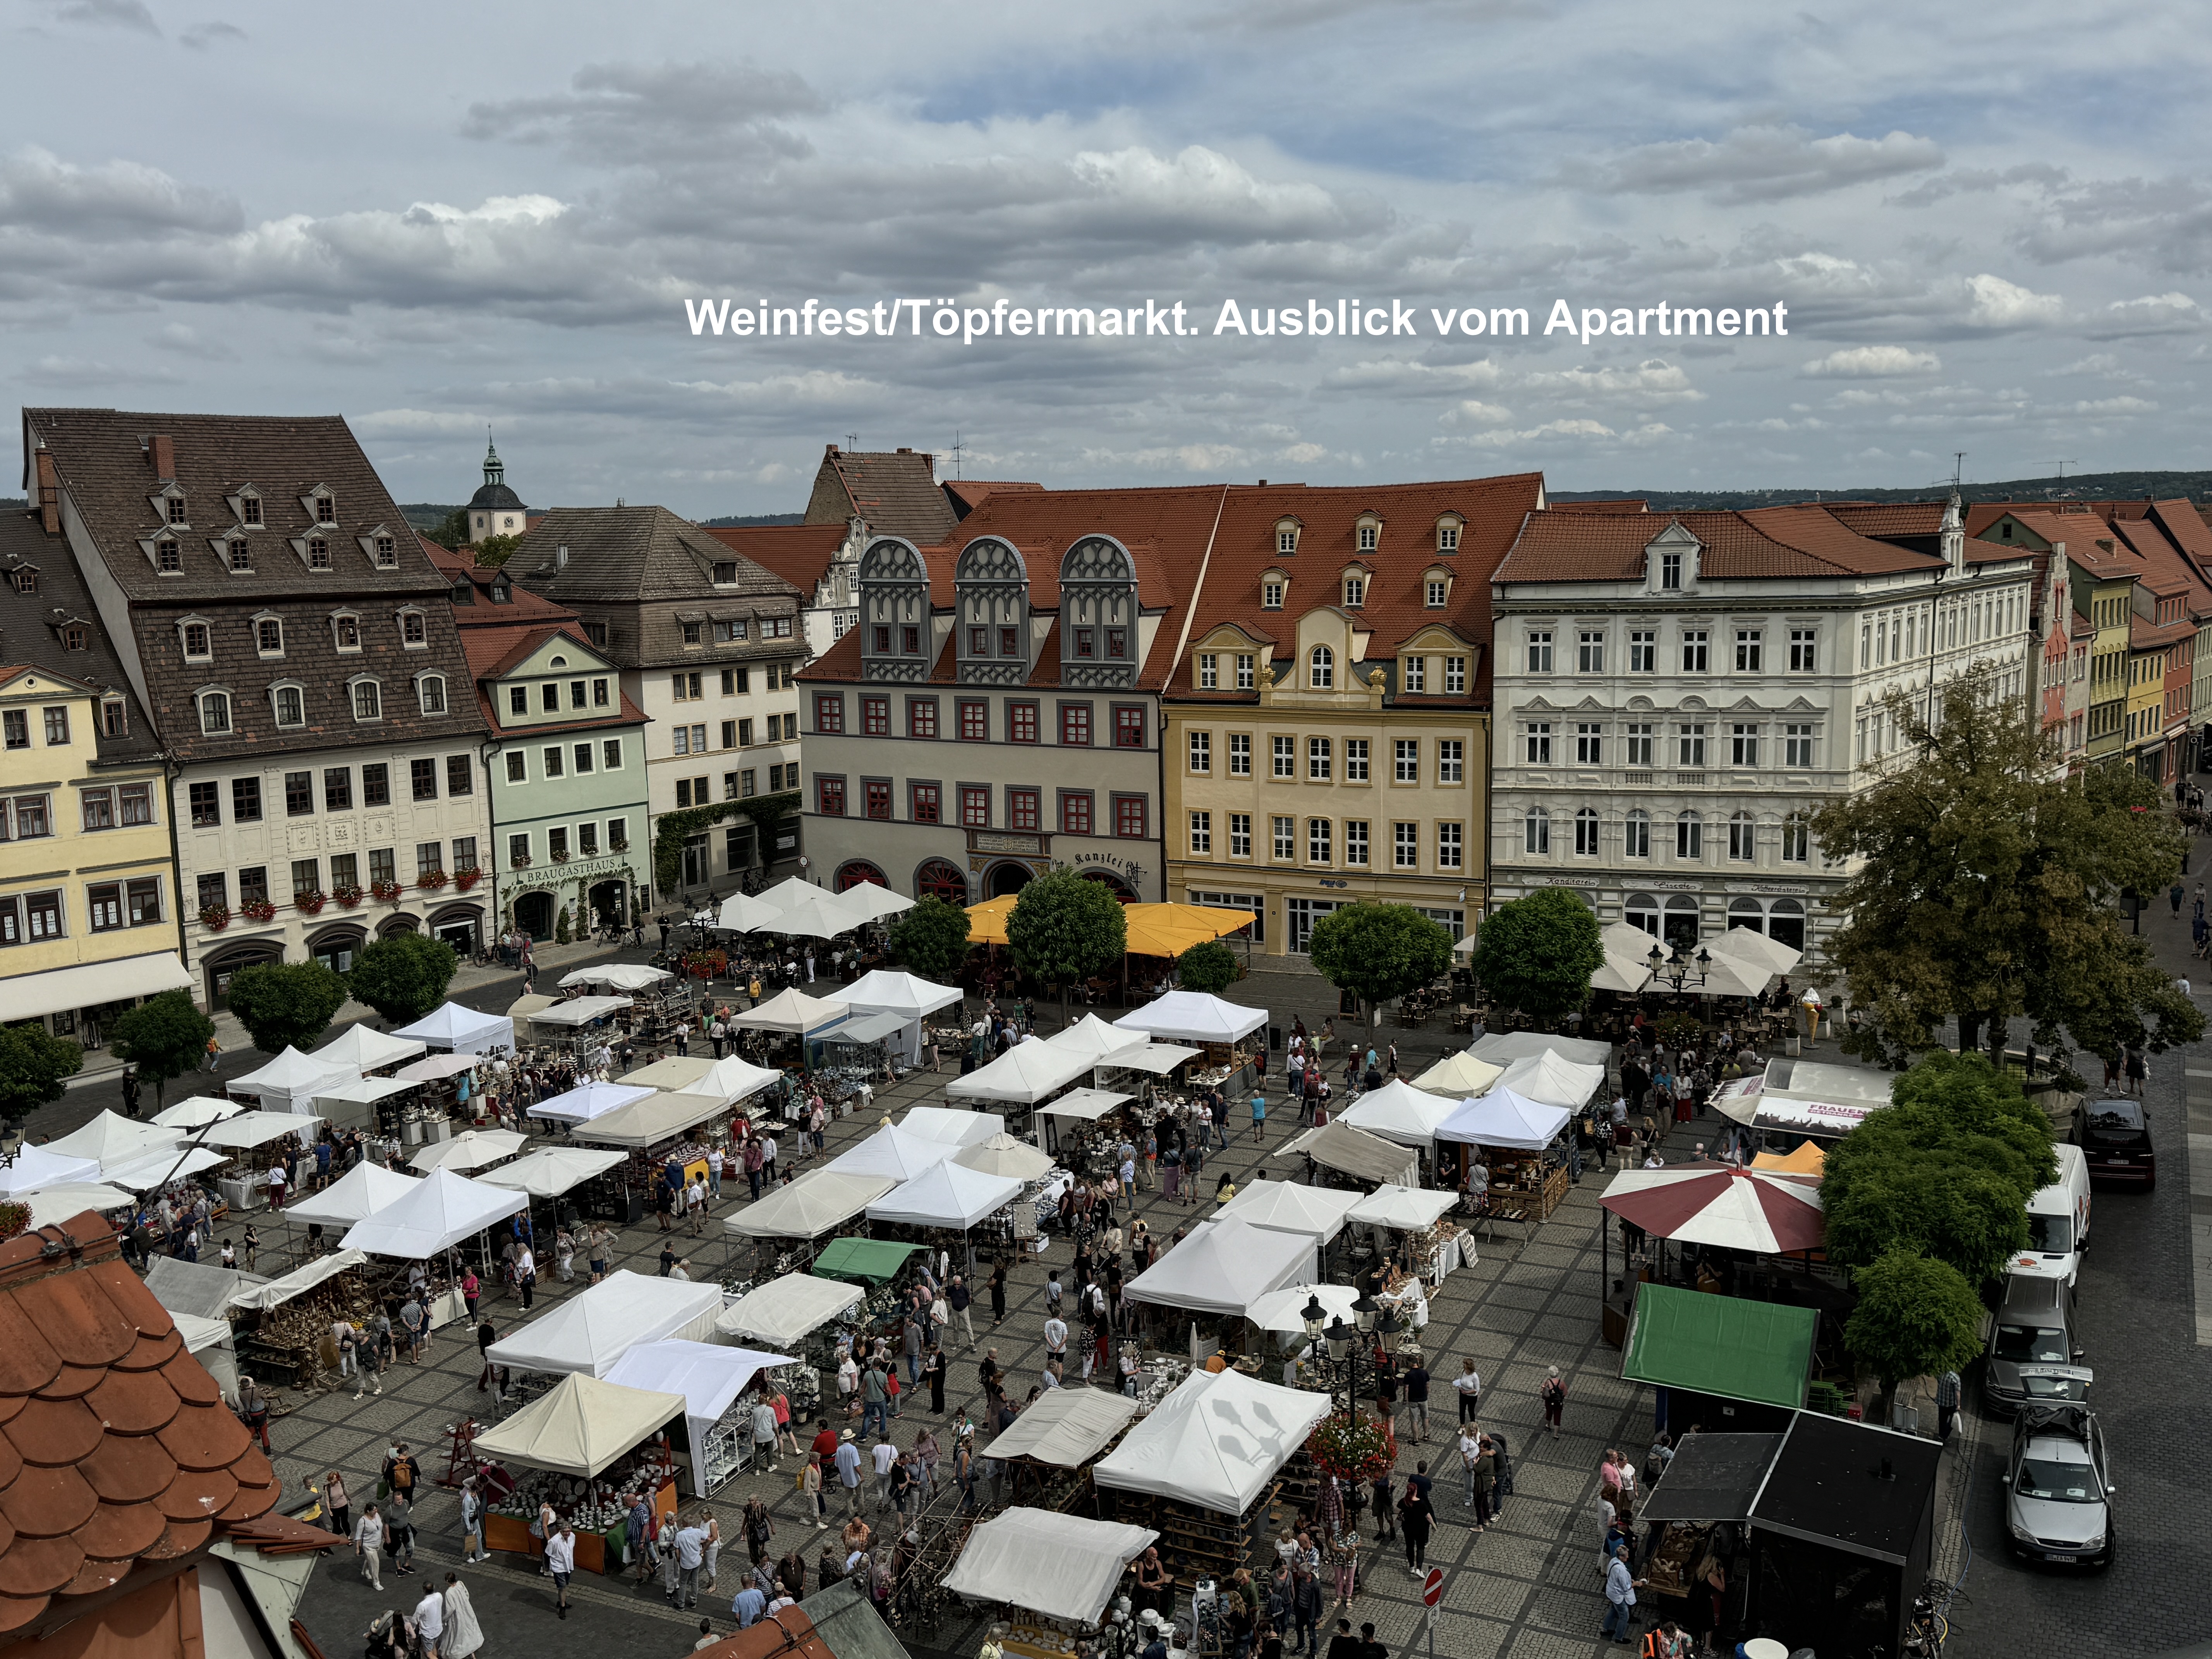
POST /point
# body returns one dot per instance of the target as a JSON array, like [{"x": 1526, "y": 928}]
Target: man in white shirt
[
  {"x": 768, "y": 1157},
  {"x": 430, "y": 1619},
  {"x": 764, "y": 1433},
  {"x": 714, "y": 1173},
  {"x": 885, "y": 1457},
  {"x": 690, "y": 1551},
  {"x": 561, "y": 1562},
  {"x": 1055, "y": 1338},
  {"x": 525, "y": 1274}
]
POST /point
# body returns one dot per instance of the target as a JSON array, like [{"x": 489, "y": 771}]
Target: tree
[
  {"x": 1915, "y": 1317},
  {"x": 1378, "y": 951},
  {"x": 164, "y": 1036},
  {"x": 1986, "y": 886},
  {"x": 1537, "y": 954},
  {"x": 562, "y": 932},
  {"x": 403, "y": 977},
  {"x": 1064, "y": 928},
  {"x": 286, "y": 1003},
  {"x": 33, "y": 1065},
  {"x": 931, "y": 940},
  {"x": 1210, "y": 966},
  {"x": 452, "y": 530},
  {"x": 495, "y": 550}
]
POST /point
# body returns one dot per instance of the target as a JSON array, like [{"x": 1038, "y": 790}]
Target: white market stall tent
[
  {"x": 251, "y": 1129},
  {"x": 436, "y": 1212},
  {"x": 471, "y": 1149},
  {"x": 814, "y": 1204},
  {"x": 729, "y": 1080},
  {"x": 275, "y": 1292},
  {"x": 1157, "y": 1058},
  {"x": 1223, "y": 1267},
  {"x": 1503, "y": 1047},
  {"x": 433, "y": 1068},
  {"x": 792, "y": 1011},
  {"x": 946, "y": 1195},
  {"x": 953, "y": 1124},
  {"x": 887, "y": 990},
  {"x": 111, "y": 1137},
  {"x": 1215, "y": 1442},
  {"x": 676, "y": 1072},
  {"x": 455, "y": 1029},
  {"x": 649, "y": 1121},
  {"x": 212, "y": 1343},
  {"x": 892, "y": 1151},
  {"x": 1065, "y": 1427},
  {"x": 1093, "y": 1037},
  {"x": 783, "y": 1311},
  {"x": 1552, "y": 1078},
  {"x": 1407, "y": 1209},
  {"x": 1194, "y": 1016},
  {"x": 580, "y": 1426},
  {"x": 1063, "y": 1566},
  {"x": 570, "y": 1013},
  {"x": 1288, "y": 1206},
  {"x": 144, "y": 1173},
  {"x": 1503, "y": 1118},
  {"x": 710, "y": 1376},
  {"x": 587, "y": 1101},
  {"x": 359, "y": 1192},
  {"x": 339, "y": 1104},
  {"x": 552, "y": 1170},
  {"x": 1024, "y": 1075},
  {"x": 597, "y": 1326},
  {"x": 50, "y": 1205},
  {"x": 33, "y": 1167},
  {"x": 622, "y": 976},
  {"x": 1004, "y": 1155},
  {"x": 197, "y": 1113},
  {"x": 1398, "y": 1111},
  {"x": 1084, "y": 1105},
  {"x": 1363, "y": 1157},
  {"x": 363, "y": 1049},
  {"x": 290, "y": 1082},
  {"x": 1459, "y": 1075}
]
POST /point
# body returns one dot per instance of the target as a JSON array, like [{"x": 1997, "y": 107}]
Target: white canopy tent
[
  {"x": 1503, "y": 1118},
  {"x": 471, "y": 1149},
  {"x": 574, "y": 1013},
  {"x": 1552, "y": 1078},
  {"x": 710, "y": 1376},
  {"x": 594, "y": 1327},
  {"x": 196, "y": 1287},
  {"x": 676, "y": 1072},
  {"x": 1064, "y": 1566},
  {"x": 361, "y": 1047},
  {"x": 112, "y": 1137},
  {"x": 1223, "y": 1267},
  {"x": 1354, "y": 1152},
  {"x": 1283, "y": 1312},
  {"x": 782, "y": 1312},
  {"x": 1503, "y": 1047},
  {"x": 293, "y": 1080},
  {"x": 622, "y": 975},
  {"x": 587, "y": 1101},
  {"x": 1065, "y": 1427},
  {"x": 522, "y": 1007},
  {"x": 649, "y": 1121},
  {"x": 1458, "y": 1075},
  {"x": 1093, "y": 1037},
  {"x": 729, "y": 1080},
  {"x": 1286, "y": 1206},
  {"x": 1398, "y": 1111},
  {"x": 360, "y": 1192},
  {"x": 275, "y": 1292},
  {"x": 455, "y": 1029},
  {"x": 816, "y": 1203},
  {"x": 1004, "y": 1155},
  {"x": 947, "y": 1194},
  {"x": 1157, "y": 1058},
  {"x": 431, "y": 1068},
  {"x": 792, "y": 1011},
  {"x": 1217, "y": 1441},
  {"x": 887, "y": 990},
  {"x": 1194, "y": 1016},
  {"x": 952, "y": 1123},
  {"x": 50, "y": 1205},
  {"x": 861, "y": 1030},
  {"x": 148, "y": 1170},
  {"x": 436, "y": 1212},
  {"x": 552, "y": 1170},
  {"x": 250, "y": 1129},
  {"x": 1024, "y": 1075},
  {"x": 580, "y": 1426},
  {"x": 892, "y": 1151},
  {"x": 1408, "y": 1209},
  {"x": 210, "y": 1341},
  {"x": 339, "y": 1102},
  {"x": 33, "y": 1167},
  {"x": 197, "y": 1113},
  {"x": 1088, "y": 1105}
]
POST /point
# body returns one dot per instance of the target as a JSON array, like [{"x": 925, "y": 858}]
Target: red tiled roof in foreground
[
  {"x": 117, "y": 1451},
  {"x": 790, "y": 1632}
]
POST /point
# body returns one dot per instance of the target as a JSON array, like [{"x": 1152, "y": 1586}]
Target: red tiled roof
[
  {"x": 966, "y": 495},
  {"x": 789, "y": 1633},
  {"x": 116, "y": 1447},
  {"x": 1884, "y": 519},
  {"x": 2186, "y": 527},
  {"x": 799, "y": 553},
  {"x": 1766, "y": 541}
]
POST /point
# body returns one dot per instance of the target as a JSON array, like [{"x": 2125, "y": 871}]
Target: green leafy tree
[
  {"x": 1537, "y": 954},
  {"x": 1064, "y": 928},
  {"x": 1378, "y": 951},
  {"x": 1209, "y": 966},
  {"x": 1987, "y": 885},
  {"x": 403, "y": 977},
  {"x": 452, "y": 530},
  {"x": 286, "y": 1003},
  {"x": 164, "y": 1037},
  {"x": 931, "y": 940},
  {"x": 561, "y": 933},
  {"x": 1915, "y": 1317},
  {"x": 496, "y": 551},
  {"x": 33, "y": 1067}
]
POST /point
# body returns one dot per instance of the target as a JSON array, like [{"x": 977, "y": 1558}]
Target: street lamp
[
  {"x": 1347, "y": 1342},
  {"x": 1675, "y": 969}
]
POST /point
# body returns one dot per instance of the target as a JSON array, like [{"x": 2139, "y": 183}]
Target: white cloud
[
  {"x": 1872, "y": 362},
  {"x": 1648, "y": 381},
  {"x": 2171, "y": 313},
  {"x": 1764, "y": 164},
  {"x": 2116, "y": 406},
  {"x": 1472, "y": 411},
  {"x": 130, "y": 15},
  {"x": 1995, "y": 303}
]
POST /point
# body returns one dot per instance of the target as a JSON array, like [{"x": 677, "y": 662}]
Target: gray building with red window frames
[{"x": 995, "y": 711}]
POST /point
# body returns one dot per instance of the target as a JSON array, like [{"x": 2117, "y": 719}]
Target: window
[
  {"x": 367, "y": 701},
  {"x": 518, "y": 700},
  {"x": 97, "y": 808},
  {"x": 1586, "y": 833},
  {"x": 137, "y": 799},
  {"x": 910, "y": 639},
  {"x": 1638, "y": 741},
  {"x": 1590, "y": 651},
  {"x": 1321, "y": 668},
  {"x": 1696, "y": 655},
  {"x": 168, "y": 558},
  {"x": 979, "y": 642},
  {"x": 1239, "y": 835},
  {"x": 1021, "y": 809},
  {"x": 730, "y": 732},
  {"x": 1589, "y": 744},
  {"x": 1355, "y": 842},
  {"x": 599, "y": 697},
  {"x": 1117, "y": 644},
  {"x": 346, "y": 630},
  {"x": 1801, "y": 651},
  {"x": 1355, "y": 593},
  {"x": 1021, "y": 722},
  {"x": 319, "y": 553},
  {"x": 177, "y": 513},
  {"x": 239, "y": 553},
  {"x": 1370, "y": 534},
  {"x": 307, "y": 877},
  {"x": 460, "y": 778},
  {"x": 1455, "y": 677},
  {"x": 42, "y": 915},
  {"x": 1247, "y": 670},
  {"x": 290, "y": 705},
  {"x": 1285, "y": 837},
  {"x": 430, "y": 690},
  {"x": 198, "y": 646},
  {"x": 1240, "y": 754},
  {"x": 876, "y": 796},
  {"x": 16, "y": 724},
  {"x": 326, "y": 509},
  {"x": 214, "y": 713},
  {"x": 553, "y": 763},
  {"x": 975, "y": 806},
  {"x": 743, "y": 736},
  {"x": 387, "y": 553},
  {"x": 1742, "y": 837},
  {"x": 1750, "y": 650},
  {"x": 1129, "y": 725},
  {"x": 924, "y": 804},
  {"x": 975, "y": 721},
  {"x": 1451, "y": 760},
  {"x": 1075, "y": 812},
  {"x": 423, "y": 774},
  {"x": 269, "y": 637},
  {"x": 1086, "y": 642},
  {"x": 1010, "y": 641},
  {"x": 1355, "y": 760},
  {"x": 25, "y": 581},
  {"x": 1318, "y": 756},
  {"x": 1130, "y": 817},
  {"x": 1743, "y": 744},
  {"x": 1636, "y": 839},
  {"x": 922, "y": 717},
  {"x": 693, "y": 634},
  {"x": 575, "y": 694},
  {"x": 1405, "y": 846},
  {"x": 1642, "y": 651},
  {"x": 412, "y": 630},
  {"x": 1285, "y": 755},
  {"x": 1690, "y": 746},
  {"x": 1689, "y": 836},
  {"x": 57, "y": 730},
  {"x": 1271, "y": 596},
  {"x": 1796, "y": 839},
  {"x": 376, "y": 785},
  {"x": 1320, "y": 833},
  {"x": 1670, "y": 571},
  {"x": 1405, "y": 762},
  {"x": 1537, "y": 737},
  {"x": 518, "y": 854},
  {"x": 337, "y": 788},
  {"x": 1414, "y": 675},
  {"x": 610, "y": 754},
  {"x": 1450, "y": 845},
  {"x": 830, "y": 797},
  {"x": 518, "y": 767},
  {"x": 1536, "y": 831},
  {"x": 1797, "y": 746},
  {"x": 245, "y": 801},
  {"x": 1540, "y": 650},
  {"x": 1434, "y": 591},
  {"x": 214, "y": 891},
  {"x": 1075, "y": 724},
  {"x": 1286, "y": 540},
  {"x": 828, "y": 711},
  {"x": 1201, "y": 751},
  {"x": 1209, "y": 671},
  {"x": 685, "y": 686},
  {"x": 882, "y": 640}
]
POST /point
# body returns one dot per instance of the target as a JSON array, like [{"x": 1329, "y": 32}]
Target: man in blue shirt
[
  {"x": 749, "y": 1607},
  {"x": 1621, "y": 1598}
]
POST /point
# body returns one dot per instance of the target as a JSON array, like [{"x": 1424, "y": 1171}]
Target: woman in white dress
[{"x": 464, "y": 1635}]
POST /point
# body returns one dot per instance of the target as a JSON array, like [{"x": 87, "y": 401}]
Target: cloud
[
  {"x": 202, "y": 36},
  {"x": 1650, "y": 380},
  {"x": 2115, "y": 406},
  {"x": 2153, "y": 313},
  {"x": 1472, "y": 411},
  {"x": 40, "y": 192},
  {"x": 187, "y": 341},
  {"x": 130, "y": 15},
  {"x": 1396, "y": 373},
  {"x": 1762, "y": 164},
  {"x": 1978, "y": 181},
  {"x": 1995, "y": 303},
  {"x": 60, "y": 371},
  {"x": 1872, "y": 362},
  {"x": 632, "y": 113}
]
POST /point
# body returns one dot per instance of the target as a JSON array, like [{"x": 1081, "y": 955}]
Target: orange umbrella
[
  {"x": 986, "y": 923},
  {"x": 1169, "y": 930}
]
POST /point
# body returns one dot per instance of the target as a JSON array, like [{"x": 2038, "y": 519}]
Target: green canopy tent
[
  {"x": 870, "y": 1262},
  {"x": 1720, "y": 1362}
]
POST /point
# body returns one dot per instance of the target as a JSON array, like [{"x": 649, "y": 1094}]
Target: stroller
[{"x": 391, "y": 1636}]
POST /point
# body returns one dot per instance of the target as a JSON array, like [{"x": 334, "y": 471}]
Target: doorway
[
  {"x": 1006, "y": 879},
  {"x": 533, "y": 913}
]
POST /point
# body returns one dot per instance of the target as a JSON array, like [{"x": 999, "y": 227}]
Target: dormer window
[
  {"x": 290, "y": 704},
  {"x": 237, "y": 554},
  {"x": 726, "y": 572},
  {"x": 198, "y": 642},
  {"x": 465, "y": 591},
  {"x": 177, "y": 512},
  {"x": 1321, "y": 669},
  {"x": 1447, "y": 530},
  {"x": 77, "y": 637},
  {"x": 1670, "y": 571},
  {"x": 249, "y": 509},
  {"x": 1436, "y": 590},
  {"x": 387, "y": 553},
  {"x": 430, "y": 690},
  {"x": 326, "y": 509},
  {"x": 1272, "y": 590},
  {"x": 25, "y": 581},
  {"x": 1367, "y": 532},
  {"x": 168, "y": 558},
  {"x": 269, "y": 636},
  {"x": 319, "y": 553},
  {"x": 501, "y": 594},
  {"x": 414, "y": 631},
  {"x": 345, "y": 631},
  {"x": 1355, "y": 593},
  {"x": 1286, "y": 537}
]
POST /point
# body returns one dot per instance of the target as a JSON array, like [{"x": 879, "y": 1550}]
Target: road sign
[{"x": 1432, "y": 1588}]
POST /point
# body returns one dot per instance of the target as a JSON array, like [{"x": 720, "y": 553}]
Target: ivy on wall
[{"x": 678, "y": 827}]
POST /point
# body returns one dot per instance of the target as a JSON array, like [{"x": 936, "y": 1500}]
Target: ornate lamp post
[{"x": 1676, "y": 969}]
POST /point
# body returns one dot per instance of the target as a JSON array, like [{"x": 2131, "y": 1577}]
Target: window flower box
[
  {"x": 560, "y": 857},
  {"x": 464, "y": 879},
  {"x": 430, "y": 880},
  {"x": 386, "y": 892},
  {"x": 215, "y": 917},
  {"x": 522, "y": 861},
  {"x": 347, "y": 897},
  {"x": 257, "y": 910},
  {"x": 619, "y": 844},
  {"x": 309, "y": 904}
]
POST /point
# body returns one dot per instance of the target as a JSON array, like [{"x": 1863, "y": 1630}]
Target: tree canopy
[
  {"x": 1537, "y": 954},
  {"x": 1986, "y": 887},
  {"x": 1208, "y": 966},
  {"x": 33, "y": 1066},
  {"x": 164, "y": 1037},
  {"x": 1065, "y": 928},
  {"x": 931, "y": 940},
  {"x": 1378, "y": 951},
  {"x": 403, "y": 977},
  {"x": 286, "y": 1003},
  {"x": 1914, "y": 1317}
]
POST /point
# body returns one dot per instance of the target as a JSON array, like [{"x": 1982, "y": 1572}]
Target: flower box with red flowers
[
  {"x": 467, "y": 878},
  {"x": 1353, "y": 1448},
  {"x": 256, "y": 909},
  {"x": 431, "y": 880},
  {"x": 346, "y": 897},
  {"x": 309, "y": 903},
  {"x": 215, "y": 917},
  {"x": 705, "y": 964},
  {"x": 385, "y": 892}
]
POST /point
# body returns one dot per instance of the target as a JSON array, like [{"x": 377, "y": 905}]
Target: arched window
[
  {"x": 431, "y": 690},
  {"x": 1680, "y": 926},
  {"x": 1636, "y": 840},
  {"x": 1642, "y": 910},
  {"x": 1536, "y": 831},
  {"x": 1321, "y": 669},
  {"x": 214, "y": 713},
  {"x": 1689, "y": 836},
  {"x": 1742, "y": 836},
  {"x": 1586, "y": 833},
  {"x": 367, "y": 701},
  {"x": 1786, "y": 923},
  {"x": 938, "y": 878},
  {"x": 1747, "y": 912},
  {"x": 1796, "y": 839},
  {"x": 859, "y": 872}
]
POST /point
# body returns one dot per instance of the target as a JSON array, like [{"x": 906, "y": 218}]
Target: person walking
[
  {"x": 690, "y": 1556},
  {"x": 368, "y": 1545},
  {"x": 1258, "y": 1112},
  {"x": 463, "y": 1632},
  {"x": 560, "y": 1563},
  {"x": 849, "y": 1472},
  {"x": 1620, "y": 1587},
  {"x": 429, "y": 1620},
  {"x": 1553, "y": 1392},
  {"x": 473, "y": 1512},
  {"x": 1416, "y": 1515}
]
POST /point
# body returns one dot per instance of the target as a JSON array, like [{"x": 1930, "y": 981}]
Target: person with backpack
[{"x": 1553, "y": 1392}]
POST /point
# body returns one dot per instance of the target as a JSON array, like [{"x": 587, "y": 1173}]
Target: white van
[{"x": 2058, "y": 1221}]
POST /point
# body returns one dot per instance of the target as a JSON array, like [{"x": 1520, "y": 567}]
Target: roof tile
[
  {"x": 137, "y": 1402},
  {"x": 118, "y": 1531},
  {"x": 129, "y": 1469},
  {"x": 55, "y": 1432},
  {"x": 196, "y": 1496},
  {"x": 84, "y": 1326},
  {"x": 180, "y": 1538},
  {"x": 97, "y": 1575},
  {"x": 204, "y": 1437},
  {"x": 73, "y": 1382},
  {"x": 191, "y": 1381},
  {"x": 38, "y": 1566},
  {"x": 48, "y": 1503},
  {"x": 27, "y": 1361},
  {"x": 151, "y": 1354}
]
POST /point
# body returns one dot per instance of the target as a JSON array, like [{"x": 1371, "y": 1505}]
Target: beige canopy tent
[
  {"x": 816, "y": 1203},
  {"x": 1065, "y": 1427},
  {"x": 1086, "y": 1104},
  {"x": 1004, "y": 1155},
  {"x": 580, "y": 1426},
  {"x": 1064, "y": 1566},
  {"x": 792, "y": 1011},
  {"x": 1363, "y": 1157},
  {"x": 784, "y": 1310},
  {"x": 1459, "y": 1075},
  {"x": 649, "y": 1121},
  {"x": 676, "y": 1072}
]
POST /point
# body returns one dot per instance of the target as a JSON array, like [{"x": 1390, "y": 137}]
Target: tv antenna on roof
[
  {"x": 1958, "y": 466},
  {"x": 852, "y": 442},
  {"x": 957, "y": 447}
]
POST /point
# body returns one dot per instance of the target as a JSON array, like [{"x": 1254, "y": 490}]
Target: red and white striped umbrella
[{"x": 1765, "y": 1210}]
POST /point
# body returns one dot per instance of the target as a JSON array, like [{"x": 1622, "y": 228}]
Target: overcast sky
[{"x": 437, "y": 219}]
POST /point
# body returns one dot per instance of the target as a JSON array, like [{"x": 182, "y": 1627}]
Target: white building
[{"x": 1675, "y": 696}]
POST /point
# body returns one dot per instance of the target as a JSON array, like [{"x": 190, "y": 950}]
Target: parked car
[
  {"x": 2058, "y": 1221},
  {"x": 2058, "y": 1490},
  {"x": 2034, "y": 1326},
  {"x": 2115, "y": 1139}
]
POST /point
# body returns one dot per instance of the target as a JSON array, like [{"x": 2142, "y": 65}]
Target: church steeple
[
  {"x": 495, "y": 510},
  {"x": 495, "y": 468}
]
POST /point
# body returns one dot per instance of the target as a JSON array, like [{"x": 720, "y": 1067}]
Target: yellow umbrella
[
  {"x": 1169, "y": 930},
  {"x": 986, "y": 923},
  {"x": 1807, "y": 1159}
]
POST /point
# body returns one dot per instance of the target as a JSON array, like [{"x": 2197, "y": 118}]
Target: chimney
[
  {"x": 905, "y": 449},
  {"x": 50, "y": 494},
  {"x": 164, "y": 452}
]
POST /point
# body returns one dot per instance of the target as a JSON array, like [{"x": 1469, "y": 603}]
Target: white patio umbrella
[
  {"x": 872, "y": 903},
  {"x": 197, "y": 1113},
  {"x": 742, "y": 913}
]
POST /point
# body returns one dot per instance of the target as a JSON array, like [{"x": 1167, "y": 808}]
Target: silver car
[{"x": 2058, "y": 1494}]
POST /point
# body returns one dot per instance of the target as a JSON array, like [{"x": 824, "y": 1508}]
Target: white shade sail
[
  {"x": 730, "y": 1079},
  {"x": 1194, "y": 1016},
  {"x": 293, "y": 1077},
  {"x": 471, "y": 1149},
  {"x": 1064, "y": 1566},
  {"x": 571, "y": 1013},
  {"x": 952, "y": 1123},
  {"x": 363, "y": 1049},
  {"x": 1084, "y": 1105},
  {"x": 1398, "y": 1111},
  {"x": 1284, "y": 1311},
  {"x": 782, "y": 1312},
  {"x": 552, "y": 1170},
  {"x": 1552, "y": 1078},
  {"x": 455, "y": 1029},
  {"x": 820, "y": 917},
  {"x": 1503, "y": 1047},
  {"x": 817, "y": 1202},
  {"x": 894, "y": 1152},
  {"x": 887, "y": 990},
  {"x": 597, "y": 1326},
  {"x": 441, "y": 1209},
  {"x": 1406, "y": 1208},
  {"x": 112, "y": 1137},
  {"x": 1004, "y": 1155},
  {"x": 360, "y": 1191},
  {"x": 197, "y": 1113},
  {"x": 1459, "y": 1075},
  {"x": 250, "y": 1129},
  {"x": 51, "y": 1205},
  {"x": 1503, "y": 1118},
  {"x": 622, "y": 976},
  {"x": 275, "y": 1292},
  {"x": 1217, "y": 1441},
  {"x": 1732, "y": 976},
  {"x": 710, "y": 1376},
  {"x": 1223, "y": 1267},
  {"x": 148, "y": 1170},
  {"x": 1620, "y": 939},
  {"x": 792, "y": 889},
  {"x": 1024, "y": 1075},
  {"x": 1286, "y": 1206},
  {"x": 580, "y": 1426},
  {"x": 947, "y": 1194},
  {"x": 792, "y": 1011},
  {"x": 33, "y": 1167},
  {"x": 587, "y": 1101}
]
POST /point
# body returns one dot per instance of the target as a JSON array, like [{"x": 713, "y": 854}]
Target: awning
[
  {"x": 1169, "y": 930},
  {"x": 574, "y": 1012},
  {"x": 652, "y": 1121},
  {"x": 1459, "y": 1075},
  {"x": 277, "y": 1291},
  {"x": 552, "y": 1170},
  {"x": 1064, "y": 1566},
  {"x": 157, "y": 1169},
  {"x": 782, "y": 1312},
  {"x": 51, "y": 1205},
  {"x": 589, "y": 1331},
  {"x": 1711, "y": 1477},
  {"x": 90, "y": 984},
  {"x": 1194, "y": 1016},
  {"x": 817, "y": 1202},
  {"x": 112, "y": 1137},
  {"x": 1720, "y": 1345},
  {"x": 864, "y": 1260},
  {"x": 1025, "y": 1074},
  {"x": 1004, "y": 1155},
  {"x": 588, "y": 1100},
  {"x": 440, "y": 1209},
  {"x": 729, "y": 1080},
  {"x": 710, "y": 1376},
  {"x": 294, "y": 1076},
  {"x": 1088, "y": 1105},
  {"x": 1346, "y": 1149},
  {"x": 368, "y": 1090},
  {"x": 1216, "y": 1442},
  {"x": 1065, "y": 1427},
  {"x": 1094, "y": 1039},
  {"x": 676, "y": 1072},
  {"x": 580, "y": 1427},
  {"x": 471, "y": 1149},
  {"x": 1284, "y": 1311},
  {"x": 866, "y": 1029},
  {"x": 1552, "y": 1078},
  {"x": 196, "y": 1287},
  {"x": 986, "y": 923}
]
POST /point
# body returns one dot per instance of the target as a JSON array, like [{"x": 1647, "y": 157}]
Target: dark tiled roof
[
  {"x": 896, "y": 491},
  {"x": 799, "y": 553},
  {"x": 497, "y": 497},
  {"x": 966, "y": 495},
  {"x": 494, "y": 651},
  {"x": 31, "y": 636},
  {"x": 116, "y": 1448},
  {"x": 1767, "y": 541}
]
